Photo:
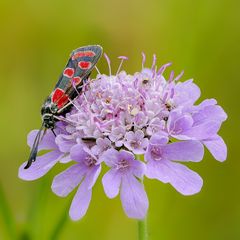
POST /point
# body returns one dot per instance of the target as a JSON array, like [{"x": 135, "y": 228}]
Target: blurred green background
[{"x": 202, "y": 37}]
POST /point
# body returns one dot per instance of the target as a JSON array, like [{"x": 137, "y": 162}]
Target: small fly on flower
[{"x": 59, "y": 102}]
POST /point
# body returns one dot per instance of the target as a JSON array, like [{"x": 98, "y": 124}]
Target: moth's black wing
[{"x": 78, "y": 68}]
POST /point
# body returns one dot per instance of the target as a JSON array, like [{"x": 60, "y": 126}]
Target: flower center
[
  {"x": 135, "y": 144},
  {"x": 156, "y": 153},
  {"x": 122, "y": 164},
  {"x": 177, "y": 131},
  {"x": 90, "y": 161}
]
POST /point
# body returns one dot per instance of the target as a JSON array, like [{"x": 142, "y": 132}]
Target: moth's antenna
[
  {"x": 34, "y": 151},
  {"x": 53, "y": 132}
]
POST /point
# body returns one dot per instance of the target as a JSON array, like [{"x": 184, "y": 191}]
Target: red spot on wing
[
  {"x": 83, "y": 54},
  {"x": 68, "y": 72},
  {"x": 76, "y": 80},
  {"x": 84, "y": 65},
  {"x": 59, "y": 97}
]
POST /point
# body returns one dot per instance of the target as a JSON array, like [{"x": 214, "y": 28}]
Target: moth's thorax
[{"x": 49, "y": 109}]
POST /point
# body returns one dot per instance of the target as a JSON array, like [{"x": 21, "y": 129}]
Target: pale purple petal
[
  {"x": 81, "y": 201},
  {"x": 110, "y": 157},
  {"x": 157, "y": 170},
  {"x": 123, "y": 154},
  {"x": 138, "y": 150},
  {"x": 65, "y": 159},
  {"x": 65, "y": 142},
  {"x": 184, "y": 151},
  {"x": 209, "y": 108},
  {"x": 144, "y": 143},
  {"x": 206, "y": 102},
  {"x": 138, "y": 168},
  {"x": 93, "y": 174},
  {"x": 119, "y": 143},
  {"x": 155, "y": 125},
  {"x": 184, "y": 180},
  {"x": 211, "y": 112},
  {"x": 47, "y": 141},
  {"x": 101, "y": 145},
  {"x": 217, "y": 148},
  {"x": 179, "y": 125},
  {"x": 139, "y": 134},
  {"x": 117, "y": 133},
  {"x": 186, "y": 93},
  {"x": 89, "y": 152},
  {"x": 134, "y": 198},
  {"x": 203, "y": 131},
  {"x": 78, "y": 153},
  {"x": 136, "y": 142},
  {"x": 159, "y": 138},
  {"x": 66, "y": 181},
  {"x": 130, "y": 135},
  {"x": 96, "y": 150},
  {"x": 140, "y": 119},
  {"x": 111, "y": 183},
  {"x": 40, "y": 167}
]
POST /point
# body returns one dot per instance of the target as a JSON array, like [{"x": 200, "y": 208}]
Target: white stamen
[
  {"x": 179, "y": 76},
  {"x": 143, "y": 59},
  {"x": 171, "y": 77},
  {"x": 109, "y": 63},
  {"x": 120, "y": 65},
  {"x": 66, "y": 120},
  {"x": 74, "y": 105},
  {"x": 154, "y": 61},
  {"x": 163, "y": 68},
  {"x": 97, "y": 70}
]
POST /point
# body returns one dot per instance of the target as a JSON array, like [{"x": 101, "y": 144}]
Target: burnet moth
[{"x": 59, "y": 102}]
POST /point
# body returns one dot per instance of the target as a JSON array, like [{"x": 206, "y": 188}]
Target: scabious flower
[{"x": 116, "y": 120}]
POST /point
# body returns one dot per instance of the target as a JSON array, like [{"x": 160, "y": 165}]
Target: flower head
[{"x": 122, "y": 115}]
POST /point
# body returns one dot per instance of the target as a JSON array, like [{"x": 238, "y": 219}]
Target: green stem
[
  {"x": 60, "y": 224},
  {"x": 142, "y": 229},
  {"x": 142, "y": 224},
  {"x": 35, "y": 221},
  {"x": 7, "y": 216}
]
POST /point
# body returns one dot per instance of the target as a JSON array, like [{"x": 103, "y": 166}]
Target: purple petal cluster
[{"x": 116, "y": 120}]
